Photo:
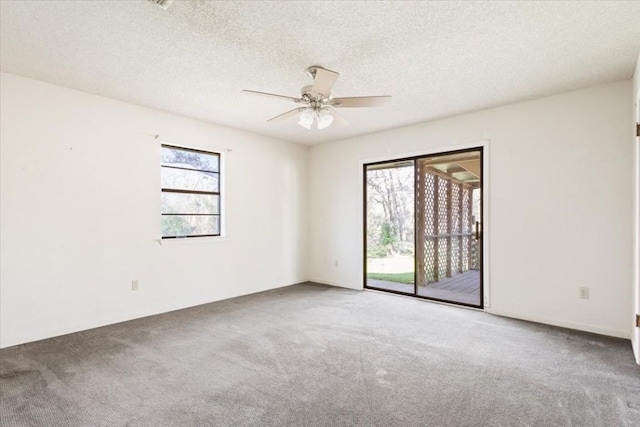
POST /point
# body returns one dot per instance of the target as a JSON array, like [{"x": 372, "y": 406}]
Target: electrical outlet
[
  {"x": 584, "y": 292},
  {"x": 135, "y": 285}
]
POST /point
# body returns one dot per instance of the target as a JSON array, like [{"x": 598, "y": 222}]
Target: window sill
[{"x": 191, "y": 240}]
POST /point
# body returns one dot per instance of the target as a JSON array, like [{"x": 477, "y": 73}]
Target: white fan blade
[
  {"x": 323, "y": 81},
  {"x": 272, "y": 95},
  {"x": 287, "y": 115},
  {"x": 337, "y": 118},
  {"x": 360, "y": 101}
]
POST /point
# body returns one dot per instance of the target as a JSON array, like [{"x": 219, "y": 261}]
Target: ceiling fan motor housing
[{"x": 307, "y": 95}]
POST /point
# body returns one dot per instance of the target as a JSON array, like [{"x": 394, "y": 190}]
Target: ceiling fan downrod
[{"x": 311, "y": 71}]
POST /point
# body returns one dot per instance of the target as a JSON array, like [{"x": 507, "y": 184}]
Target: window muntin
[{"x": 190, "y": 181}]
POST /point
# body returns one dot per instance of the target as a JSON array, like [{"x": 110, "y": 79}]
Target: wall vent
[{"x": 164, "y": 4}]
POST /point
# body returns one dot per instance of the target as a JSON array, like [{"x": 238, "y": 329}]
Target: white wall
[
  {"x": 79, "y": 210},
  {"x": 636, "y": 212},
  {"x": 559, "y": 198}
]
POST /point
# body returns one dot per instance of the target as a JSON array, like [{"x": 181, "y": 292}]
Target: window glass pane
[
  {"x": 190, "y": 225},
  {"x": 180, "y": 179},
  {"x": 190, "y": 159},
  {"x": 184, "y": 203}
]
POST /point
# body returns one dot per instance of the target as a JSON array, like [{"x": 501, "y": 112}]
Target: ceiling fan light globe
[
  {"x": 324, "y": 121},
  {"x": 306, "y": 119}
]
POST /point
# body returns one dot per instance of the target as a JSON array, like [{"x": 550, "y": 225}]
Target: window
[{"x": 190, "y": 182}]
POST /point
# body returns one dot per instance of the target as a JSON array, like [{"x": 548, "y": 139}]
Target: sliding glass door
[
  {"x": 390, "y": 230},
  {"x": 423, "y": 227}
]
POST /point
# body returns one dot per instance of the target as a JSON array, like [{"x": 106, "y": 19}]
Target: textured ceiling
[{"x": 435, "y": 58}]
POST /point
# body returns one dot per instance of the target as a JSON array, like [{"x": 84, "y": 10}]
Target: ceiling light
[
  {"x": 324, "y": 118},
  {"x": 321, "y": 117},
  {"x": 306, "y": 118}
]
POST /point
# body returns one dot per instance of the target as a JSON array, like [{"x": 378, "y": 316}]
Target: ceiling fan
[{"x": 318, "y": 106}]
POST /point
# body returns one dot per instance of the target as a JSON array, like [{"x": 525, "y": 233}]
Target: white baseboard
[
  {"x": 119, "y": 317},
  {"x": 522, "y": 316},
  {"x": 336, "y": 284},
  {"x": 562, "y": 323}
]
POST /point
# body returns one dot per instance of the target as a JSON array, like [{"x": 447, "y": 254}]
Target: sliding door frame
[{"x": 483, "y": 247}]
